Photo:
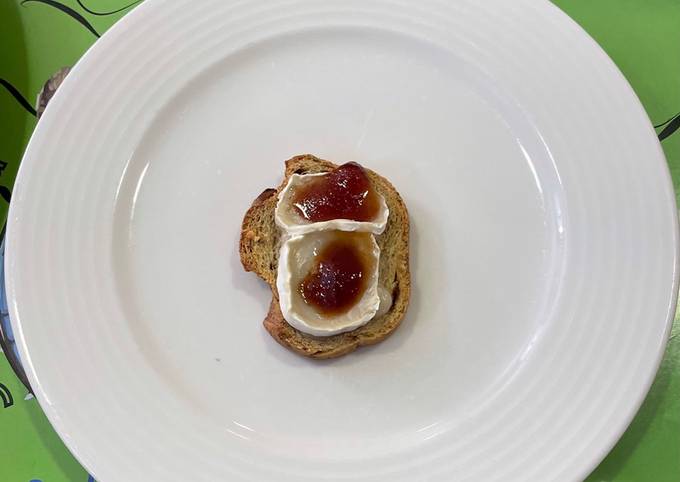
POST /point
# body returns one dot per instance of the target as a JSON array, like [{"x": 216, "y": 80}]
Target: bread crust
[{"x": 259, "y": 249}]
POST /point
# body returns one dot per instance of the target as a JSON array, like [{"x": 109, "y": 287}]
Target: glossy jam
[
  {"x": 345, "y": 193},
  {"x": 338, "y": 279}
]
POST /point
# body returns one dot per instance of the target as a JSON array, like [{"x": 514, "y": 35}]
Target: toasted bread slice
[{"x": 259, "y": 250}]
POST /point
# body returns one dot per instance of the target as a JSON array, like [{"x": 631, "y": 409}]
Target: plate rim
[{"x": 139, "y": 12}]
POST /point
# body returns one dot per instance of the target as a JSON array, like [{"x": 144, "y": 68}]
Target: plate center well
[{"x": 487, "y": 237}]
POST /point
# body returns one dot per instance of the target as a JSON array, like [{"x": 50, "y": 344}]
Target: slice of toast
[{"x": 259, "y": 251}]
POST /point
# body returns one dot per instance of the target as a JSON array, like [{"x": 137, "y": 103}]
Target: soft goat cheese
[
  {"x": 296, "y": 259},
  {"x": 302, "y": 240},
  {"x": 292, "y": 223}
]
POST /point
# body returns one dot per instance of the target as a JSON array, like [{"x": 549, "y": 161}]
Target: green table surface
[{"x": 38, "y": 37}]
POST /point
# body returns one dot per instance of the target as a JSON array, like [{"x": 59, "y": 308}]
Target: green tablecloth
[{"x": 39, "y": 37}]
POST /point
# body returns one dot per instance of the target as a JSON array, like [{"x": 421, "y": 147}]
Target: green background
[{"x": 641, "y": 36}]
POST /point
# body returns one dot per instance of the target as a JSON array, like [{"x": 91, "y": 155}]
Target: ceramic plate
[{"x": 543, "y": 245}]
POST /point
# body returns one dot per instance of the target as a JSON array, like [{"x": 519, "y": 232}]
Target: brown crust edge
[
  {"x": 247, "y": 235},
  {"x": 279, "y": 329}
]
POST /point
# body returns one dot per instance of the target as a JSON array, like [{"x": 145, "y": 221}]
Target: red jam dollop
[
  {"x": 344, "y": 193},
  {"x": 338, "y": 279}
]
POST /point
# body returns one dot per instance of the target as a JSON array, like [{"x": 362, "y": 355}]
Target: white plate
[{"x": 543, "y": 246}]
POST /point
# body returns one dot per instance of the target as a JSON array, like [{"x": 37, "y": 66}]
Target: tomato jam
[
  {"x": 339, "y": 276},
  {"x": 344, "y": 193}
]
